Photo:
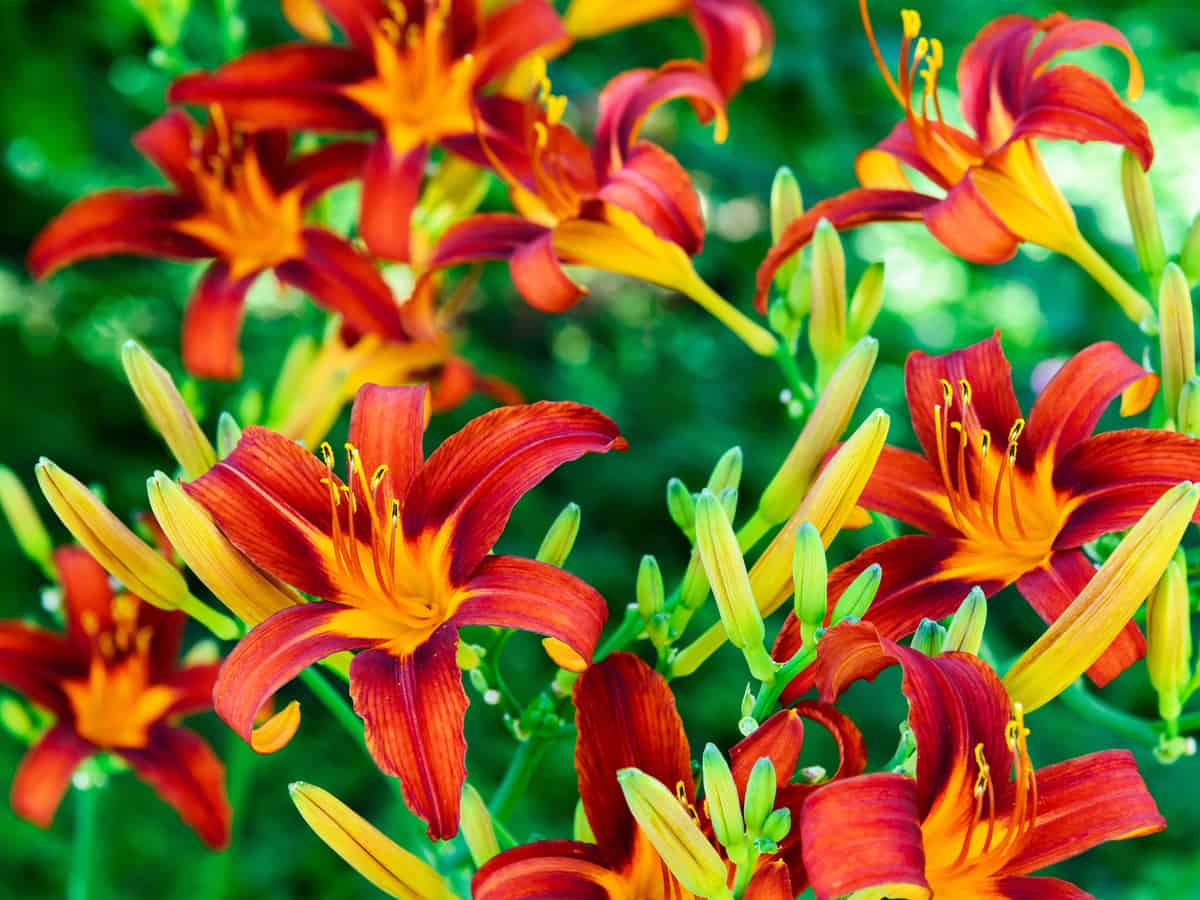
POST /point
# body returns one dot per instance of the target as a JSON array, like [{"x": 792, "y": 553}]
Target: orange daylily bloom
[
  {"x": 113, "y": 686},
  {"x": 962, "y": 828},
  {"x": 997, "y": 191},
  {"x": 626, "y": 717},
  {"x": 1004, "y": 500},
  {"x": 399, "y": 554}
]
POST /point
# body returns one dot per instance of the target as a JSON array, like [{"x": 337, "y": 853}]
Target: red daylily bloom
[
  {"x": 238, "y": 199},
  {"x": 997, "y": 192},
  {"x": 410, "y": 74},
  {"x": 112, "y": 684},
  {"x": 961, "y": 828},
  {"x": 626, "y": 717},
  {"x": 738, "y": 36},
  {"x": 399, "y": 554},
  {"x": 1004, "y": 501}
]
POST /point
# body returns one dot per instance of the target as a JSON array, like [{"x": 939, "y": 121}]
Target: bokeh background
[{"x": 79, "y": 78}]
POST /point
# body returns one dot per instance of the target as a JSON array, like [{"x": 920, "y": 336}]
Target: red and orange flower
[
  {"x": 113, "y": 686},
  {"x": 961, "y": 828},
  {"x": 1006, "y": 501},
  {"x": 399, "y": 554},
  {"x": 238, "y": 199}
]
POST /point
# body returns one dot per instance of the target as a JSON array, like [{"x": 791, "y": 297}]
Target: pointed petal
[
  {"x": 844, "y": 212},
  {"x": 353, "y": 18},
  {"x": 34, "y": 662},
  {"x": 413, "y": 712},
  {"x": 991, "y": 75},
  {"x": 653, "y": 186},
  {"x": 42, "y": 778},
  {"x": 327, "y": 167},
  {"x": 194, "y": 685},
  {"x": 1085, "y": 802},
  {"x": 513, "y": 31},
  {"x": 1072, "y": 403},
  {"x": 87, "y": 595},
  {"x": 626, "y": 717},
  {"x": 472, "y": 481},
  {"x": 1024, "y": 888},
  {"x": 1066, "y": 34},
  {"x": 213, "y": 324},
  {"x": 969, "y": 228},
  {"x": 539, "y": 277},
  {"x": 780, "y": 739},
  {"x": 510, "y": 592},
  {"x": 864, "y": 832},
  {"x": 905, "y": 486},
  {"x": 770, "y": 882},
  {"x": 167, "y": 142},
  {"x": 391, "y": 187},
  {"x": 387, "y": 425},
  {"x": 1052, "y": 588},
  {"x": 484, "y": 237},
  {"x": 270, "y": 656},
  {"x": 546, "y": 870},
  {"x": 852, "y": 748},
  {"x": 738, "y": 40},
  {"x": 185, "y": 772}
]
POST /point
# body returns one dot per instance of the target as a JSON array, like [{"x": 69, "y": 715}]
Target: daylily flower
[
  {"x": 113, "y": 686},
  {"x": 410, "y": 75},
  {"x": 626, "y": 717},
  {"x": 625, "y": 206},
  {"x": 997, "y": 191},
  {"x": 238, "y": 199},
  {"x": 399, "y": 555},
  {"x": 737, "y": 35},
  {"x": 961, "y": 828},
  {"x": 1006, "y": 501}
]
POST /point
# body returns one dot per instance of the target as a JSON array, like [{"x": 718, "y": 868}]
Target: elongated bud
[
  {"x": 164, "y": 407},
  {"x": 122, "y": 553},
  {"x": 229, "y": 432},
  {"x": 23, "y": 518},
  {"x": 827, "y": 318},
  {"x": 721, "y": 794},
  {"x": 1189, "y": 255},
  {"x": 1187, "y": 415},
  {"x": 929, "y": 638},
  {"x": 727, "y": 473},
  {"x": 1093, "y": 619},
  {"x": 477, "y": 829},
  {"x": 581, "y": 828},
  {"x": 650, "y": 592},
  {"x": 798, "y": 298},
  {"x": 787, "y": 205},
  {"x": 965, "y": 634},
  {"x": 1177, "y": 334},
  {"x": 368, "y": 850},
  {"x": 1143, "y": 216},
  {"x": 810, "y": 573},
  {"x": 247, "y": 590},
  {"x": 674, "y": 834},
  {"x": 856, "y": 599},
  {"x": 760, "y": 795},
  {"x": 468, "y": 656},
  {"x": 1169, "y": 637},
  {"x": 778, "y": 824},
  {"x": 286, "y": 392},
  {"x": 693, "y": 590},
  {"x": 15, "y": 719},
  {"x": 824, "y": 427},
  {"x": 866, "y": 302},
  {"x": 682, "y": 507},
  {"x": 560, "y": 539}
]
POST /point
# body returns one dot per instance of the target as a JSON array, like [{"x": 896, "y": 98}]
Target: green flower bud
[
  {"x": 560, "y": 538},
  {"x": 658, "y": 629},
  {"x": 468, "y": 656},
  {"x": 727, "y": 472},
  {"x": 694, "y": 589},
  {"x": 1169, "y": 637},
  {"x": 1177, "y": 334},
  {"x": 23, "y": 518},
  {"x": 856, "y": 599},
  {"x": 810, "y": 574},
  {"x": 229, "y": 432},
  {"x": 1187, "y": 416},
  {"x": 682, "y": 507},
  {"x": 778, "y": 824},
  {"x": 724, "y": 805},
  {"x": 760, "y": 796},
  {"x": 787, "y": 205},
  {"x": 866, "y": 302},
  {"x": 966, "y": 628},
  {"x": 477, "y": 829},
  {"x": 650, "y": 592},
  {"x": 930, "y": 638},
  {"x": 1189, "y": 255},
  {"x": 1143, "y": 217}
]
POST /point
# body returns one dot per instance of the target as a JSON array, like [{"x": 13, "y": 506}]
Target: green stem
[
  {"x": 791, "y": 371},
  {"x": 82, "y": 852},
  {"x": 334, "y": 702},
  {"x": 1190, "y": 722},
  {"x": 1131, "y": 301},
  {"x": 1092, "y": 709},
  {"x": 233, "y": 28},
  {"x": 517, "y": 777},
  {"x": 770, "y": 693},
  {"x": 239, "y": 759},
  {"x": 626, "y": 633}
]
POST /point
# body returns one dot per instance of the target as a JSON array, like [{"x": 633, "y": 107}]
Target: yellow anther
[
  {"x": 947, "y": 392},
  {"x": 90, "y": 622},
  {"x": 911, "y": 20},
  {"x": 1014, "y": 433},
  {"x": 541, "y": 137},
  {"x": 395, "y": 509},
  {"x": 378, "y": 476},
  {"x": 939, "y": 56},
  {"x": 964, "y": 388},
  {"x": 125, "y": 607},
  {"x": 984, "y": 776},
  {"x": 1012, "y": 453},
  {"x": 327, "y": 454},
  {"x": 985, "y": 441},
  {"x": 681, "y": 793},
  {"x": 922, "y": 49}
]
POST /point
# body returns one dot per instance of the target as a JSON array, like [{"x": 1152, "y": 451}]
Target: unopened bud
[
  {"x": 1189, "y": 255},
  {"x": 682, "y": 507},
  {"x": 1187, "y": 415},
  {"x": 479, "y": 681},
  {"x": 15, "y": 719},
  {"x": 778, "y": 824},
  {"x": 866, "y": 302},
  {"x": 468, "y": 656},
  {"x": 965, "y": 633},
  {"x": 658, "y": 630},
  {"x": 693, "y": 590},
  {"x": 1143, "y": 217},
  {"x": 477, "y": 829},
  {"x": 721, "y": 795},
  {"x": 856, "y": 599},
  {"x": 229, "y": 432},
  {"x": 23, "y": 518},
  {"x": 560, "y": 539},
  {"x": 787, "y": 205},
  {"x": 748, "y": 701},
  {"x": 827, "y": 318},
  {"x": 168, "y": 413},
  {"x": 1169, "y": 637},
  {"x": 810, "y": 574},
  {"x": 650, "y": 592},
  {"x": 760, "y": 796},
  {"x": 930, "y": 638},
  {"x": 1177, "y": 334},
  {"x": 727, "y": 473}
]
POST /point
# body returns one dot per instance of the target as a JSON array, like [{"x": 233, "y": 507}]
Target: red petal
[
  {"x": 863, "y": 832},
  {"x": 1052, "y": 588},
  {"x": 991, "y": 75},
  {"x": 510, "y": 592},
  {"x": 539, "y": 277},
  {"x": 185, "y": 772},
  {"x": 34, "y": 662},
  {"x": 167, "y": 142},
  {"x": 770, "y": 882},
  {"x": 548, "y": 870},
  {"x": 852, "y": 749},
  {"x": 626, "y": 716},
  {"x": 387, "y": 425},
  {"x": 413, "y": 712},
  {"x": 845, "y": 211},
  {"x": 484, "y": 237},
  {"x": 354, "y": 17},
  {"x": 1072, "y": 403},
  {"x": 325, "y": 168},
  {"x": 195, "y": 686},
  {"x": 116, "y": 223},
  {"x": 1085, "y": 802},
  {"x": 1017, "y": 888},
  {"x": 969, "y": 228},
  {"x": 391, "y": 187},
  {"x": 905, "y": 486},
  {"x": 738, "y": 40},
  {"x": 213, "y": 324},
  {"x": 87, "y": 593},
  {"x": 473, "y": 480},
  {"x": 654, "y": 187},
  {"x": 45, "y": 773},
  {"x": 900, "y": 144},
  {"x": 511, "y": 33},
  {"x": 780, "y": 738}
]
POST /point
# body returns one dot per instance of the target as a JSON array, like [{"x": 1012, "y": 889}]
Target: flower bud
[
  {"x": 286, "y": 394},
  {"x": 866, "y": 302},
  {"x": 477, "y": 830},
  {"x": 965, "y": 633},
  {"x": 1187, "y": 415},
  {"x": 856, "y": 599},
  {"x": 827, "y": 319},
  {"x": 23, "y": 518},
  {"x": 1143, "y": 217},
  {"x": 721, "y": 795},
  {"x": 693, "y": 590},
  {"x": 727, "y": 473},
  {"x": 810, "y": 574},
  {"x": 560, "y": 539},
  {"x": 1169, "y": 637},
  {"x": 682, "y": 507},
  {"x": 164, "y": 407},
  {"x": 1177, "y": 334},
  {"x": 798, "y": 298},
  {"x": 930, "y": 638},
  {"x": 673, "y": 832},
  {"x": 787, "y": 205},
  {"x": 650, "y": 592},
  {"x": 1189, "y": 255},
  {"x": 229, "y": 432},
  {"x": 658, "y": 629},
  {"x": 778, "y": 824},
  {"x": 760, "y": 795},
  {"x": 15, "y": 719},
  {"x": 468, "y": 656}
]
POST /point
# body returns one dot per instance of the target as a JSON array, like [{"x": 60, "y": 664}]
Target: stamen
[
  {"x": 939, "y": 432},
  {"x": 870, "y": 32},
  {"x": 1011, "y": 462},
  {"x": 910, "y": 19},
  {"x": 963, "y": 487}
]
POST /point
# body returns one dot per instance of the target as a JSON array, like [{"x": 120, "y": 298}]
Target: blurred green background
[{"x": 79, "y": 78}]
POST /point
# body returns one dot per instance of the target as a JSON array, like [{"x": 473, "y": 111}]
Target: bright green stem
[
  {"x": 222, "y": 627},
  {"x": 1092, "y": 709},
  {"x": 791, "y": 371},
  {"x": 752, "y": 334},
  {"x": 83, "y": 850},
  {"x": 1135, "y": 306},
  {"x": 769, "y": 695},
  {"x": 626, "y": 633},
  {"x": 233, "y": 28},
  {"x": 752, "y": 532},
  {"x": 239, "y": 761},
  {"x": 334, "y": 702},
  {"x": 520, "y": 771},
  {"x": 1190, "y": 722}
]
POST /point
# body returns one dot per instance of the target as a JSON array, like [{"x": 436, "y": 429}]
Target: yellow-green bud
[
  {"x": 1177, "y": 334},
  {"x": 23, "y": 518},
  {"x": 250, "y": 407},
  {"x": 866, "y": 302},
  {"x": 1187, "y": 414},
  {"x": 778, "y": 824},
  {"x": 1169, "y": 637},
  {"x": 760, "y": 796},
  {"x": 827, "y": 318},
  {"x": 581, "y": 829},
  {"x": 1189, "y": 255},
  {"x": 15, "y": 718},
  {"x": 286, "y": 392},
  {"x": 650, "y": 592},
  {"x": 693, "y": 591},
  {"x": 560, "y": 539},
  {"x": 930, "y": 638},
  {"x": 721, "y": 795},
  {"x": 810, "y": 574},
  {"x": 727, "y": 473},
  {"x": 658, "y": 630},
  {"x": 682, "y": 507},
  {"x": 965, "y": 633},
  {"x": 468, "y": 656},
  {"x": 1143, "y": 217},
  {"x": 229, "y": 432},
  {"x": 798, "y": 297},
  {"x": 787, "y": 205},
  {"x": 856, "y": 599},
  {"x": 477, "y": 829}
]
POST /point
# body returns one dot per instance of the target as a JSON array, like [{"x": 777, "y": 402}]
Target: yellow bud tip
[{"x": 911, "y": 21}]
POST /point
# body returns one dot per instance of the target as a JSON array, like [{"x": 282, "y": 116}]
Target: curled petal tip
[{"x": 277, "y": 731}]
